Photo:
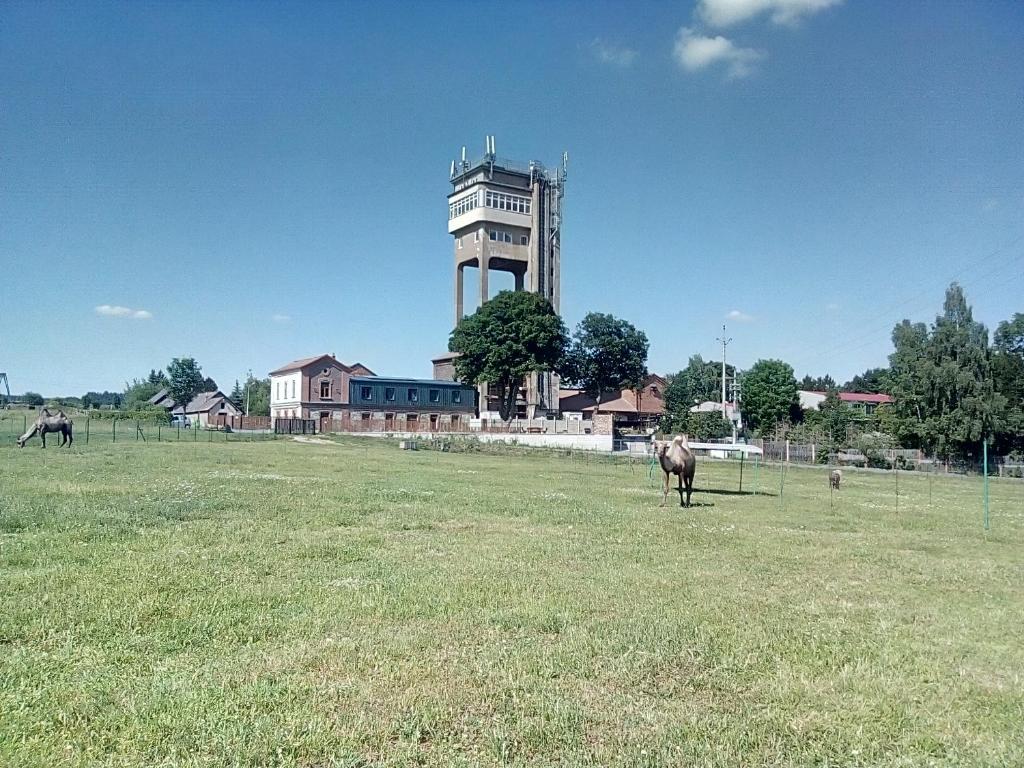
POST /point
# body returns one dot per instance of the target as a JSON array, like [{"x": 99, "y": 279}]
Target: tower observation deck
[{"x": 507, "y": 216}]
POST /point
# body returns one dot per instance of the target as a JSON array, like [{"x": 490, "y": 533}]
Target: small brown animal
[
  {"x": 835, "y": 477},
  {"x": 676, "y": 458}
]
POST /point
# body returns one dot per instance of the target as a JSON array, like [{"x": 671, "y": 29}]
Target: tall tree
[
  {"x": 818, "y": 383},
  {"x": 209, "y": 385},
  {"x": 508, "y": 337},
  {"x": 256, "y": 396},
  {"x": 1008, "y": 378},
  {"x": 769, "y": 395},
  {"x": 908, "y": 371},
  {"x": 237, "y": 395},
  {"x": 963, "y": 406},
  {"x": 138, "y": 392},
  {"x": 700, "y": 381},
  {"x": 873, "y": 381},
  {"x": 158, "y": 377},
  {"x": 185, "y": 380},
  {"x": 606, "y": 353}
]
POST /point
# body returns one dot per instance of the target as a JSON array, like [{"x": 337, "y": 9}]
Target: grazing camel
[
  {"x": 676, "y": 458},
  {"x": 49, "y": 423},
  {"x": 835, "y": 477}
]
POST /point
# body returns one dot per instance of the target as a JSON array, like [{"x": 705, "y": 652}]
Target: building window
[
  {"x": 389, "y": 394},
  {"x": 435, "y": 395},
  {"x": 459, "y": 241},
  {"x": 278, "y": 390},
  {"x": 493, "y": 234},
  {"x": 476, "y": 236},
  {"x": 463, "y": 205},
  {"x": 325, "y": 390},
  {"x": 293, "y": 388},
  {"x": 504, "y": 202},
  {"x": 366, "y": 393},
  {"x": 524, "y": 239},
  {"x": 456, "y": 397},
  {"x": 413, "y": 395},
  {"x": 364, "y": 416},
  {"x": 455, "y": 418},
  {"x": 411, "y": 418},
  {"x": 389, "y": 417},
  {"x": 507, "y": 236}
]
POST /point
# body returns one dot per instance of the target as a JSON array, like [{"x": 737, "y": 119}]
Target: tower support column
[
  {"x": 483, "y": 278},
  {"x": 458, "y": 293}
]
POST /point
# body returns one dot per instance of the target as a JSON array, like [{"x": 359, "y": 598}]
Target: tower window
[
  {"x": 459, "y": 241},
  {"x": 507, "y": 237},
  {"x": 413, "y": 394},
  {"x": 435, "y": 395},
  {"x": 524, "y": 239},
  {"x": 389, "y": 394},
  {"x": 493, "y": 235},
  {"x": 366, "y": 393},
  {"x": 456, "y": 397}
]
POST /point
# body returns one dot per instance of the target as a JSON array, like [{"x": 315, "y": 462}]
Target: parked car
[{"x": 178, "y": 420}]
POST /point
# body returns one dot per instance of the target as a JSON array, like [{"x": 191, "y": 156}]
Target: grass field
[{"x": 348, "y": 604}]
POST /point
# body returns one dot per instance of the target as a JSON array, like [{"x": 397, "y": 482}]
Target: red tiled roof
[
  {"x": 295, "y": 365},
  {"x": 613, "y": 402}
]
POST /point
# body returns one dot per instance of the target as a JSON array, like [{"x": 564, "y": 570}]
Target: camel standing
[
  {"x": 49, "y": 423},
  {"x": 835, "y": 477},
  {"x": 676, "y": 458}
]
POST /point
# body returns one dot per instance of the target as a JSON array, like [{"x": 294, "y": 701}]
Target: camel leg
[
  {"x": 42, "y": 436},
  {"x": 689, "y": 490},
  {"x": 664, "y": 494},
  {"x": 681, "y": 491},
  {"x": 70, "y": 437}
]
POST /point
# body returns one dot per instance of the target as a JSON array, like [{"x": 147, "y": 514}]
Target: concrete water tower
[{"x": 507, "y": 216}]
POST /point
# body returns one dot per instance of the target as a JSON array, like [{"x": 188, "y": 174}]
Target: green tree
[
  {"x": 157, "y": 377},
  {"x": 700, "y": 381},
  {"x": 256, "y": 393},
  {"x": 835, "y": 418},
  {"x": 32, "y": 398},
  {"x": 237, "y": 395},
  {"x": 138, "y": 392},
  {"x": 769, "y": 395},
  {"x": 1008, "y": 379},
  {"x": 818, "y": 383},
  {"x": 508, "y": 337},
  {"x": 606, "y": 353},
  {"x": 962, "y": 405},
  {"x": 209, "y": 385},
  {"x": 873, "y": 381},
  {"x": 185, "y": 380},
  {"x": 909, "y": 364}
]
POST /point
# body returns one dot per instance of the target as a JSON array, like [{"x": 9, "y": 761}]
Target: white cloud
[
  {"x": 610, "y": 53},
  {"x": 114, "y": 310},
  {"x": 725, "y": 13},
  {"x": 279, "y": 318},
  {"x": 739, "y": 317},
  {"x": 695, "y": 51}
]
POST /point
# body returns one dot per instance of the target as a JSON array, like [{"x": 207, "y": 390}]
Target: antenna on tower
[{"x": 452, "y": 170}]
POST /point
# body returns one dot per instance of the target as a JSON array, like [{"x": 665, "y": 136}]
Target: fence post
[
  {"x": 158, "y": 431},
  {"x": 984, "y": 453},
  {"x": 813, "y": 457},
  {"x": 787, "y": 451},
  {"x": 113, "y": 430},
  {"x": 87, "y": 420}
]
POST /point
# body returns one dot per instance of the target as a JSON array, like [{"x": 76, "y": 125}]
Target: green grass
[{"x": 348, "y": 604}]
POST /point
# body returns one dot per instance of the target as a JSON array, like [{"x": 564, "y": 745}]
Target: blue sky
[{"x": 254, "y": 182}]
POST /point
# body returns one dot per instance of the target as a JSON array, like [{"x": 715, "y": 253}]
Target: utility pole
[
  {"x": 247, "y": 380},
  {"x": 725, "y": 343}
]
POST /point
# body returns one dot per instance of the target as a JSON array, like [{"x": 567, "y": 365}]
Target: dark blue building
[{"x": 381, "y": 394}]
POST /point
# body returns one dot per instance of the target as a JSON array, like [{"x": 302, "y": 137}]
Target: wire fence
[{"x": 90, "y": 431}]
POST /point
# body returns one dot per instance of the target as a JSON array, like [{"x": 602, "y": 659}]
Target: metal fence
[{"x": 92, "y": 431}]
